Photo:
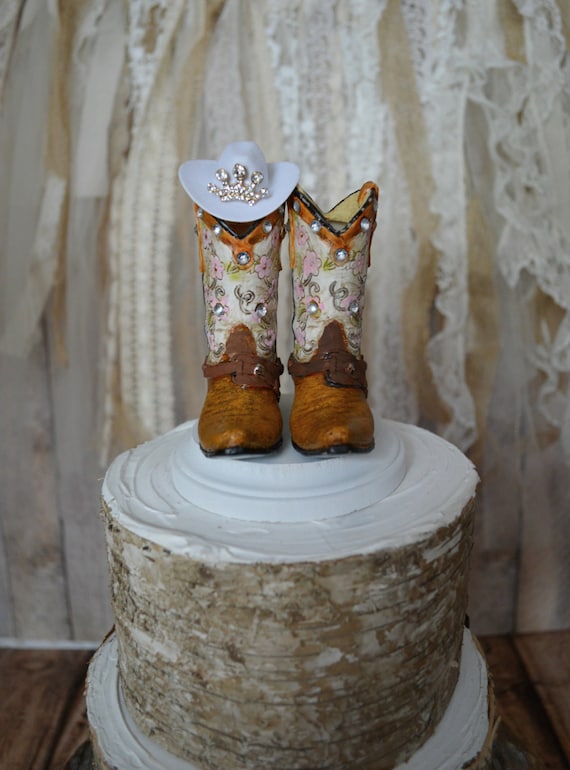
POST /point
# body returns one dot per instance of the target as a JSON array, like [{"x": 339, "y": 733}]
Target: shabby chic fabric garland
[{"x": 458, "y": 109}]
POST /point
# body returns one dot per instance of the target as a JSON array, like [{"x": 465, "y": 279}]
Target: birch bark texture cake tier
[{"x": 290, "y": 612}]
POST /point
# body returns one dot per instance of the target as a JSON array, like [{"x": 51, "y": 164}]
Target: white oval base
[
  {"x": 458, "y": 739},
  {"x": 286, "y": 507},
  {"x": 282, "y": 486}
]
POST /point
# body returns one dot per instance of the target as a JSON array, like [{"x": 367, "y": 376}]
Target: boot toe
[
  {"x": 236, "y": 420},
  {"x": 326, "y": 420}
]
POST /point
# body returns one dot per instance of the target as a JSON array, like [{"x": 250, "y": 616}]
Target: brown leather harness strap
[
  {"x": 341, "y": 369},
  {"x": 248, "y": 370}
]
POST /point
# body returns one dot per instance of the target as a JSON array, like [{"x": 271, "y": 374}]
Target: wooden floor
[{"x": 42, "y": 707}]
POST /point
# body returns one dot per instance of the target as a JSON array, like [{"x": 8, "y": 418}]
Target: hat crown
[
  {"x": 246, "y": 154},
  {"x": 249, "y": 171}
]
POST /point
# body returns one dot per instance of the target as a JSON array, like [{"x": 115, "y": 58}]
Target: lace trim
[
  {"x": 365, "y": 113},
  {"x": 144, "y": 306},
  {"x": 302, "y": 39},
  {"x": 526, "y": 106},
  {"x": 223, "y": 82},
  {"x": 416, "y": 20},
  {"x": 443, "y": 86},
  {"x": 142, "y": 218},
  {"x": 386, "y": 281},
  {"x": 152, "y": 25}
]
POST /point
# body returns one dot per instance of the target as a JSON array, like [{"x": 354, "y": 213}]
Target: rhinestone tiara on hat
[{"x": 241, "y": 189}]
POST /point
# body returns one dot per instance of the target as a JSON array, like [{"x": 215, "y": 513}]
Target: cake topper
[{"x": 240, "y": 224}]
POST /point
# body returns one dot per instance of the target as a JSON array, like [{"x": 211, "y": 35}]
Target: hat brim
[{"x": 195, "y": 175}]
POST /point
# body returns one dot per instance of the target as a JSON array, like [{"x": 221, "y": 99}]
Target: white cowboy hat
[{"x": 240, "y": 186}]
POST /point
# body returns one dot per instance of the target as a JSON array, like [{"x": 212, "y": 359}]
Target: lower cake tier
[
  {"x": 463, "y": 738},
  {"x": 285, "y": 612}
]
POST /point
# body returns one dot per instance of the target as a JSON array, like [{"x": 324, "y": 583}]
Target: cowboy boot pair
[{"x": 240, "y": 266}]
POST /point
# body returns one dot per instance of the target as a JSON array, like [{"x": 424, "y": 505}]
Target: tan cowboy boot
[
  {"x": 240, "y": 266},
  {"x": 329, "y": 259},
  {"x": 239, "y": 205}
]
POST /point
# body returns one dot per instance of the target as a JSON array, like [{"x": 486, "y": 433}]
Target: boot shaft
[
  {"x": 240, "y": 266},
  {"x": 330, "y": 254}
]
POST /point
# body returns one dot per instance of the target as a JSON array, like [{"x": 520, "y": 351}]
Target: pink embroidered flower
[
  {"x": 271, "y": 291},
  {"x": 358, "y": 264},
  {"x": 311, "y": 264},
  {"x": 263, "y": 267},
  {"x": 206, "y": 238},
  {"x": 301, "y": 237},
  {"x": 209, "y": 296},
  {"x": 217, "y": 268},
  {"x": 269, "y": 338},
  {"x": 211, "y": 339},
  {"x": 299, "y": 335},
  {"x": 275, "y": 237},
  {"x": 299, "y": 291}
]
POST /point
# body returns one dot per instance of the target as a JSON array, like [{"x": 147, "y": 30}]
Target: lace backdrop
[{"x": 459, "y": 110}]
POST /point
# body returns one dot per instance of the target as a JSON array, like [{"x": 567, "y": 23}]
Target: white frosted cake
[{"x": 284, "y": 612}]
